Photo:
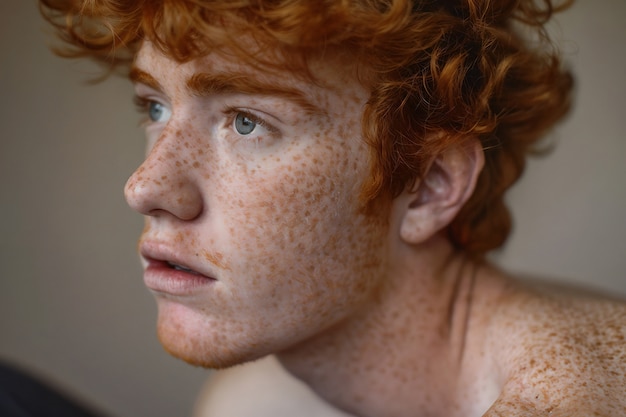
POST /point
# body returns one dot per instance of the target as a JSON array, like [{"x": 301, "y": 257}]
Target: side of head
[{"x": 441, "y": 74}]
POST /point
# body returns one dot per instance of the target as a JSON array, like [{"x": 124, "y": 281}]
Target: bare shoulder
[
  {"x": 268, "y": 390},
  {"x": 563, "y": 353}
]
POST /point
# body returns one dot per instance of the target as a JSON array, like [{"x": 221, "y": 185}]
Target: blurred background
[{"x": 73, "y": 307}]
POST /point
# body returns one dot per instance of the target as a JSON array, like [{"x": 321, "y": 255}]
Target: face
[{"x": 255, "y": 237}]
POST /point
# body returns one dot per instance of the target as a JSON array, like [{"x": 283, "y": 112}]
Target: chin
[{"x": 202, "y": 342}]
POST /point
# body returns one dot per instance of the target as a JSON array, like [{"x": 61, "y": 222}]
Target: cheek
[{"x": 300, "y": 225}]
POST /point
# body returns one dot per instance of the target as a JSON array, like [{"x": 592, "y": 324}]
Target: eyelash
[
  {"x": 142, "y": 105},
  {"x": 232, "y": 112}
]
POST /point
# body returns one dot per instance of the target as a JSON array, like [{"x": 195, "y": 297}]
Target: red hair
[{"x": 445, "y": 69}]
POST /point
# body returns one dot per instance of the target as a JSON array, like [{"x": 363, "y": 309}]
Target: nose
[{"x": 164, "y": 185}]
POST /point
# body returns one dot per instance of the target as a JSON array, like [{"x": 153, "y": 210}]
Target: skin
[
  {"x": 352, "y": 304},
  {"x": 270, "y": 217}
]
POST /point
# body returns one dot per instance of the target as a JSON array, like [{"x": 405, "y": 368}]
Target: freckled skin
[
  {"x": 375, "y": 323},
  {"x": 543, "y": 353},
  {"x": 274, "y": 218},
  {"x": 571, "y": 360}
]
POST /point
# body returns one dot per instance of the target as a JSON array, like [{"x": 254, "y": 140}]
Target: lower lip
[{"x": 161, "y": 278}]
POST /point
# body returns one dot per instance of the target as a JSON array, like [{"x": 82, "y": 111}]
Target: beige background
[{"x": 72, "y": 302}]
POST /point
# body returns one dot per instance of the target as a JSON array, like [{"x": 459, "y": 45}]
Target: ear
[{"x": 439, "y": 195}]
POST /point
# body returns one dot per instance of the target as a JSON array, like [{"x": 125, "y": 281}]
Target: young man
[{"x": 323, "y": 181}]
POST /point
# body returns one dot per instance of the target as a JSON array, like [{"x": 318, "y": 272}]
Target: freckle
[
  {"x": 178, "y": 164},
  {"x": 215, "y": 258}
]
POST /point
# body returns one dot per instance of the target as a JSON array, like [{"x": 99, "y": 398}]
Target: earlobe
[{"x": 439, "y": 195}]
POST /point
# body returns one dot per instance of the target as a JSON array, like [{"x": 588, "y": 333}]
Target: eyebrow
[
  {"x": 203, "y": 84},
  {"x": 139, "y": 76}
]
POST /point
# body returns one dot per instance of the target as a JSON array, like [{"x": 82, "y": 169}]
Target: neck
[{"x": 404, "y": 354}]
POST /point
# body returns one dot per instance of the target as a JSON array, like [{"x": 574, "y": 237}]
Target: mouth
[
  {"x": 182, "y": 268},
  {"x": 169, "y": 278}
]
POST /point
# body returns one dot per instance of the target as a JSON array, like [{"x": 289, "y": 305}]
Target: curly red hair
[{"x": 457, "y": 67}]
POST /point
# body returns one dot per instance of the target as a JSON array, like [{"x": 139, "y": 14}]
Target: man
[{"x": 322, "y": 183}]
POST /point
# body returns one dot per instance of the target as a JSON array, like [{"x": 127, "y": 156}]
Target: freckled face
[{"x": 257, "y": 190}]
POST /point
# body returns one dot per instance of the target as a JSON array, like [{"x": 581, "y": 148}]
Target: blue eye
[
  {"x": 244, "y": 125},
  {"x": 156, "y": 111}
]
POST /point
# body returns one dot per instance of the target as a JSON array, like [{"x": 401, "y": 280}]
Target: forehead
[{"x": 225, "y": 72}]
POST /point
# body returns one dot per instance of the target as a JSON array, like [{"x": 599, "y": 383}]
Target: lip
[{"x": 162, "y": 278}]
